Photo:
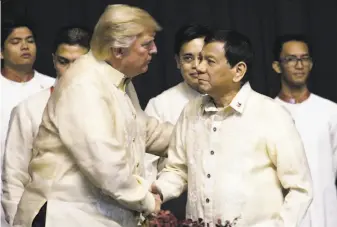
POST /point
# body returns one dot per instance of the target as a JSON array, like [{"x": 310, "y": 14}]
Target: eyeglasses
[{"x": 293, "y": 60}]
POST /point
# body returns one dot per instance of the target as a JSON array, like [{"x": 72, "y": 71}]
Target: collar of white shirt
[
  {"x": 115, "y": 76},
  {"x": 238, "y": 102}
]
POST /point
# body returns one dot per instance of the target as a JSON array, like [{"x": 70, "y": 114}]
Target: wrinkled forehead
[{"x": 213, "y": 49}]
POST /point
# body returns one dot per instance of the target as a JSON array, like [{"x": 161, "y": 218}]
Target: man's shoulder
[
  {"x": 271, "y": 107},
  {"x": 35, "y": 101},
  {"x": 44, "y": 79},
  {"x": 324, "y": 103},
  {"x": 170, "y": 94}
]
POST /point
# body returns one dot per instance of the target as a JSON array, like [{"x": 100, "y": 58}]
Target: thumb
[{"x": 154, "y": 189}]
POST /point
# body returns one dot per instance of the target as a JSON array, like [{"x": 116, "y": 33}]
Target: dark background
[{"x": 260, "y": 20}]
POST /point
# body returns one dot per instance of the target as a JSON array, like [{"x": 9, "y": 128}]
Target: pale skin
[
  {"x": 19, "y": 53},
  {"x": 294, "y": 78},
  {"x": 65, "y": 55},
  {"x": 134, "y": 60}
]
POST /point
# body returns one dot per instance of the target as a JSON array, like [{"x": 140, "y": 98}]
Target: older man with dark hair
[{"x": 234, "y": 149}]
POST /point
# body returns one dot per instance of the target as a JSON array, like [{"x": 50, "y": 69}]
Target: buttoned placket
[
  {"x": 133, "y": 132},
  {"x": 210, "y": 166}
]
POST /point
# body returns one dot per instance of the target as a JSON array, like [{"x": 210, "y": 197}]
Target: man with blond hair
[{"x": 87, "y": 168}]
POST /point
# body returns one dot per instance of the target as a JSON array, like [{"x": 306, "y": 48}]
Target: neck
[
  {"x": 23, "y": 74},
  {"x": 294, "y": 94},
  {"x": 225, "y": 99}
]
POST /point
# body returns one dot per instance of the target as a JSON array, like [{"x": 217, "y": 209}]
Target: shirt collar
[
  {"x": 238, "y": 103},
  {"x": 289, "y": 99},
  {"x": 115, "y": 76}
]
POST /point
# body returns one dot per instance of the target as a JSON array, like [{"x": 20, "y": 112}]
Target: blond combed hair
[{"x": 118, "y": 27}]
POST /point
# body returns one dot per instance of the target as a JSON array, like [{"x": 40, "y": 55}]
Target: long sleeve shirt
[
  {"x": 316, "y": 122},
  {"x": 88, "y": 153},
  {"x": 237, "y": 161},
  {"x": 23, "y": 128}
]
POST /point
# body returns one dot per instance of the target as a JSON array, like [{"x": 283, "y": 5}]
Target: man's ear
[
  {"x": 118, "y": 52},
  {"x": 276, "y": 66},
  {"x": 176, "y": 57},
  {"x": 240, "y": 70},
  {"x": 1, "y": 55}
]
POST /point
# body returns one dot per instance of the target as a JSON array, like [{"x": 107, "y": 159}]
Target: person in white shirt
[
  {"x": 70, "y": 43},
  {"x": 18, "y": 79},
  {"x": 89, "y": 164},
  {"x": 315, "y": 119},
  {"x": 235, "y": 151},
  {"x": 167, "y": 106}
]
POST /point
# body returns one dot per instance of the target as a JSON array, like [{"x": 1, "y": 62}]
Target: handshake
[{"x": 158, "y": 196}]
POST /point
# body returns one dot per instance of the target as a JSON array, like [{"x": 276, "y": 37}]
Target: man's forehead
[
  {"x": 295, "y": 47},
  {"x": 213, "y": 48},
  {"x": 20, "y": 31},
  {"x": 147, "y": 35}
]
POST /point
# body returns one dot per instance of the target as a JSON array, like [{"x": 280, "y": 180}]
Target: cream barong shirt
[
  {"x": 236, "y": 161},
  {"x": 88, "y": 155}
]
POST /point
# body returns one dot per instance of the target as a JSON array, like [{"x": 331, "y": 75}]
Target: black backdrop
[{"x": 261, "y": 20}]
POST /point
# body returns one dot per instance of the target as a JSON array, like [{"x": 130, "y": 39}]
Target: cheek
[
  {"x": 32, "y": 48},
  {"x": 12, "y": 52},
  {"x": 60, "y": 68}
]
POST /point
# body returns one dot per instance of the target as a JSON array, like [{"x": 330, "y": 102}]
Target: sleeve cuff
[{"x": 148, "y": 205}]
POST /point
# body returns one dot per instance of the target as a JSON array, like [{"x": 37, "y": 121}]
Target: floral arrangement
[{"x": 167, "y": 219}]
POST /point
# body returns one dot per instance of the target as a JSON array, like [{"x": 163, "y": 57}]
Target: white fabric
[
  {"x": 88, "y": 154},
  {"x": 24, "y": 125},
  {"x": 236, "y": 162},
  {"x": 316, "y": 121},
  {"x": 12, "y": 93},
  {"x": 167, "y": 106}
]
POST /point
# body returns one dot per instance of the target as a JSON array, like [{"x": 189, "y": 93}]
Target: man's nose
[
  {"x": 24, "y": 45},
  {"x": 299, "y": 63},
  {"x": 153, "y": 48},
  {"x": 201, "y": 67}
]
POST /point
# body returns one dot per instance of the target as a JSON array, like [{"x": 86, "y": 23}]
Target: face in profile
[
  {"x": 188, "y": 59},
  {"x": 19, "y": 48},
  {"x": 65, "y": 55},
  {"x": 137, "y": 57},
  {"x": 295, "y": 63}
]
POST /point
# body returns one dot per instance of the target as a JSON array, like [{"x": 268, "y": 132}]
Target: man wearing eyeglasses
[
  {"x": 70, "y": 43},
  {"x": 316, "y": 121}
]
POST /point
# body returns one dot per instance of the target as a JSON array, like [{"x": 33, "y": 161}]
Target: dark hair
[
  {"x": 281, "y": 40},
  {"x": 8, "y": 26},
  {"x": 72, "y": 36},
  {"x": 187, "y": 33},
  {"x": 237, "y": 47}
]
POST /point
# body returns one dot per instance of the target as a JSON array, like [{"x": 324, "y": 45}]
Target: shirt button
[
  {"x": 214, "y": 129},
  {"x": 137, "y": 164},
  {"x": 133, "y": 139},
  {"x": 207, "y": 200},
  {"x": 209, "y": 175},
  {"x": 212, "y": 152}
]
